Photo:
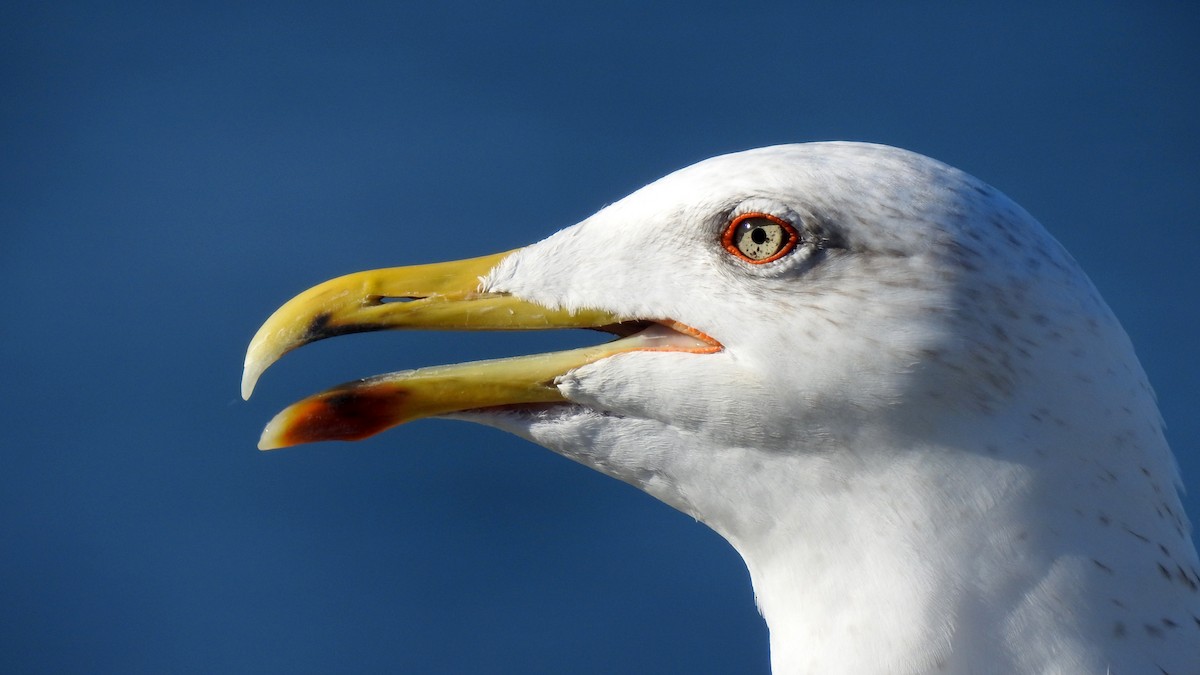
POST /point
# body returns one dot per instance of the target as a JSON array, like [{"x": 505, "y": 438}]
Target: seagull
[{"x": 882, "y": 381}]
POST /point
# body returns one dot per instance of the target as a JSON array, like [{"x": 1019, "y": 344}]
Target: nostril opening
[{"x": 384, "y": 300}]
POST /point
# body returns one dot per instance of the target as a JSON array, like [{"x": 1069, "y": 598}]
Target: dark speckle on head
[
  {"x": 1183, "y": 576},
  {"x": 1140, "y": 537}
]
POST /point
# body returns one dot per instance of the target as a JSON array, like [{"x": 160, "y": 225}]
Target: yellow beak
[{"x": 438, "y": 296}]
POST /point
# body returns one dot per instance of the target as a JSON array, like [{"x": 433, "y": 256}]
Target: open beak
[{"x": 438, "y": 296}]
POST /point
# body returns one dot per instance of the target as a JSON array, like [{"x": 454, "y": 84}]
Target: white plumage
[{"x": 926, "y": 433}]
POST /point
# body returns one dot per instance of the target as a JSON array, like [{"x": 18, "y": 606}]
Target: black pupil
[{"x": 758, "y": 235}]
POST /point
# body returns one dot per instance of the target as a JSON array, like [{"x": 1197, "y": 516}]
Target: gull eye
[{"x": 760, "y": 238}]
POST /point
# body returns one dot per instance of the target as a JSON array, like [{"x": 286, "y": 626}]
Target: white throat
[{"x": 932, "y": 559}]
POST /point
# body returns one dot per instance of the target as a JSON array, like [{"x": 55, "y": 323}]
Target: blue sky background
[{"x": 172, "y": 172}]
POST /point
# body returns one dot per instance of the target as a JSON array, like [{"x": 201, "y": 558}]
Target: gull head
[{"x": 877, "y": 377}]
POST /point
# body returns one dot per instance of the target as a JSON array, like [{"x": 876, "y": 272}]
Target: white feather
[{"x": 928, "y": 436}]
